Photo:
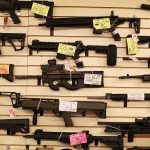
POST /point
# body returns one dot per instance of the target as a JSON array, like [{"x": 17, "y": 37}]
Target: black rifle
[
  {"x": 38, "y": 106},
  {"x": 145, "y": 77},
  {"x": 12, "y": 5},
  {"x": 57, "y": 72},
  {"x": 139, "y": 58},
  {"x": 121, "y": 97},
  {"x": 140, "y": 126},
  {"x": 142, "y": 40},
  {"x": 110, "y": 50},
  {"x": 88, "y": 22},
  {"x": 145, "y": 6},
  {"x": 15, "y": 125},
  {"x": 114, "y": 142},
  {"x": 139, "y": 148},
  {"x": 10, "y": 37},
  {"x": 10, "y": 75}
]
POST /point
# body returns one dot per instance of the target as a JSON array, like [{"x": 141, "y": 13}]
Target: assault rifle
[
  {"x": 114, "y": 142},
  {"x": 110, "y": 51},
  {"x": 11, "y": 37},
  {"x": 88, "y": 22},
  {"x": 57, "y": 72},
  {"x": 123, "y": 97},
  {"x": 140, "y": 126},
  {"x": 38, "y": 106},
  {"x": 15, "y": 125},
  {"x": 138, "y": 59},
  {"x": 11, "y": 6},
  {"x": 141, "y": 40},
  {"x": 145, "y": 6},
  {"x": 139, "y": 148},
  {"x": 145, "y": 77}
]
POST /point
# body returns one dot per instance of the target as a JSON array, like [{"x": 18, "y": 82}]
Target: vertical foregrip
[
  {"x": 34, "y": 120},
  {"x": 67, "y": 119}
]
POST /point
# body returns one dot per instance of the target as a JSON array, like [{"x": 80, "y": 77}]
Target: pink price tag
[
  {"x": 12, "y": 114},
  {"x": 77, "y": 139}
]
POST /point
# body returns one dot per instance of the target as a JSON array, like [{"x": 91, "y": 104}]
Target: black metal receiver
[
  {"x": 123, "y": 97},
  {"x": 15, "y": 125},
  {"x": 141, "y": 40},
  {"x": 140, "y": 126},
  {"x": 145, "y": 77},
  {"x": 11, "y": 38},
  {"x": 57, "y": 72},
  {"x": 114, "y": 142},
  {"x": 38, "y": 106},
  {"x": 11, "y": 6},
  {"x": 139, "y": 148},
  {"x": 88, "y": 22},
  {"x": 110, "y": 51}
]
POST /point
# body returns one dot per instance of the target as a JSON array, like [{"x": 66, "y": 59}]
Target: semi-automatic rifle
[
  {"x": 145, "y": 77},
  {"x": 112, "y": 20},
  {"x": 110, "y": 51},
  {"x": 139, "y": 148},
  {"x": 57, "y": 72},
  {"x": 12, "y": 126},
  {"x": 11, "y": 6},
  {"x": 123, "y": 97},
  {"x": 140, "y": 126},
  {"x": 38, "y": 106},
  {"x": 114, "y": 142},
  {"x": 11, "y": 38},
  {"x": 140, "y": 40}
]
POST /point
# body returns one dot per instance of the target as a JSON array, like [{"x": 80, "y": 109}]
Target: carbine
[
  {"x": 141, "y": 40},
  {"x": 123, "y": 97},
  {"x": 140, "y": 126},
  {"x": 57, "y": 72},
  {"x": 88, "y": 22},
  {"x": 38, "y": 106},
  {"x": 145, "y": 77},
  {"x": 114, "y": 142},
  {"x": 145, "y": 6},
  {"x": 11, "y": 6},
  {"x": 11, "y": 38},
  {"x": 139, "y": 58},
  {"x": 139, "y": 148},
  {"x": 12, "y": 126},
  {"x": 110, "y": 51}
]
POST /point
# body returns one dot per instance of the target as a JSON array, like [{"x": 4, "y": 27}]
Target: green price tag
[
  {"x": 132, "y": 46},
  {"x": 40, "y": 9},
  {"x": 66, "y": 49},
  {"x": 103, "y": 23}
]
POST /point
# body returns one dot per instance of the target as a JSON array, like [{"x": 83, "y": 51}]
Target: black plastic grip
[
  {"x": 14, "y": 17},
  {"x": 118, "y": 97},
  {"x": 35, "y": 115},
  {"x": 67, "y": 119},
  {"x": 145, "y": 7}
]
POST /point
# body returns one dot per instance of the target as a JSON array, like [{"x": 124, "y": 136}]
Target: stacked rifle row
[{"x": 57, "y": 72}]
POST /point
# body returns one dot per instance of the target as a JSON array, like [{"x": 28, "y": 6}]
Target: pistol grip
[{"x": 14, "y": 17}]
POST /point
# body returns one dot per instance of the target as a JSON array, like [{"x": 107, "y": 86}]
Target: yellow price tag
[
  {"x": 66, "y": 49},
  {"x": 4, "y": 69},
  {"x": 132, "y": 46},
  {"x": 103, "y": 23},
  {"x": 40, "y": 9}
]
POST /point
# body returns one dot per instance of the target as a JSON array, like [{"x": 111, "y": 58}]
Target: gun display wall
[{"x": 60, "y": 75}]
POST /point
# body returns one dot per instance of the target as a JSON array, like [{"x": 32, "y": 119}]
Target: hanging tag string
[{"x": 39, "y": 104}]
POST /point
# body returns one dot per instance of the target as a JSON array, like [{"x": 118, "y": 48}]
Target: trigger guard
[
  {"x": 52, "y": 86},
  {"x": 72, "y": 87}
]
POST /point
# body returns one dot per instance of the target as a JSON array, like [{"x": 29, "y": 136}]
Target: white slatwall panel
[{"x": 25, "y": 64}]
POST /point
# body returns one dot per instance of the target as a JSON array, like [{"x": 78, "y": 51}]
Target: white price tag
[
  {"x": 139, "y": 96},
  {"x": 68, "y": 106},
  {"x": 93, "y": 79}
]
